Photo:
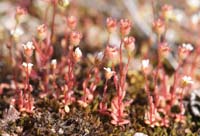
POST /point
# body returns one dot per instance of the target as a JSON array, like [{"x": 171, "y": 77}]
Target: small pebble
[
  {"x": 5, "y": 134},
  {"x": 139, "y": 134},
  {"x": 60, "y": 131},
  {"x": 53, "y": 130}
]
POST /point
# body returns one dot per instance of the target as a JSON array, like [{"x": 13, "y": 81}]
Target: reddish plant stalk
[
  {"x": 105, "y": 90},
  {"x": 120, "y": 59},
  {"x": 147, "y": 87}
]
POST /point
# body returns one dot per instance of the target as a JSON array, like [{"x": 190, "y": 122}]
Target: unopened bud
[
  {"x": 72, "y": 22},
  {"x": 111, "y": 52},
  {"x": 20, "y": 13},
  {"x": 54, "y": 64},
  {"x": 159, "y": 26},
  {"x": 75, "y": 38},
  {"x": 129, "y": 43},
  {"x": 164, "y": 49},
  {"x": 42, "y": 31},
  {"x": 167, "y": 11},
  {"x": 111, "y": 24},
  {"x": 125, "y": 26},
  {"x": 145, "y": 65},
  {"x": 77, "y": 54}
]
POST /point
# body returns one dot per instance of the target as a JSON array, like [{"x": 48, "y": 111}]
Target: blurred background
[
  {"x": 93, "y": 13},
  {"x": 183, "y": 25}
]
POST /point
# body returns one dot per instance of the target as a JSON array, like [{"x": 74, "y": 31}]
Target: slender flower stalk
[{"x": 103, "y": 105}]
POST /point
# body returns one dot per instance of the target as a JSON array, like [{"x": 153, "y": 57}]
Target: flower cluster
[{"x": 55, "y": 63}]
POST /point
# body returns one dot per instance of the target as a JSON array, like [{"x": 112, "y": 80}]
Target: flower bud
[
  {"x": 129, "y": 43},
  {"x": 111, "y": 52},
  {"x": 167, "y": 11},
  {"x": 72, "y": 22},
  {"x": 111, "y": 24},
  {"x": 28, "y": 49},
  {"x": 125, "y": 26},
  {"x": 109, "y": 73},
  {"x": 75, "y": 38},
  {"x": 77, "y": 54},
  {"x": 164, "y": 49},
  {"x": 42, "y": 31},
  {"x": 27, "y": 67},
  {"x": 158, "y": 26},
  {"x": 20, "y": 13},
  {"x": 54, "y": 64}
]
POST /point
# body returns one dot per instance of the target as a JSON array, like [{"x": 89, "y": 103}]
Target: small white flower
[
  {"x": 28, "y": 49},
  {"x": 54, "y": 63},
  {"x": 187, "y": 46},
  {"x": 28, "y": 45},
  {"x": 17, "y": 32},
  {"x": 27, "y": 66},
  {"x": 187, "y": 80},
  {"x": 109, "y": 73},
  {"x": 145, "y": 64},
  {"x": 77, "y": 54},
  {"x": 107, "y": 69}
]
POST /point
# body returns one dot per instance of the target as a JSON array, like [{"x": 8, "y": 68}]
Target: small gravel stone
[
  {"x": 60, "y": 131},
  {"x": 139, "y": 134}
]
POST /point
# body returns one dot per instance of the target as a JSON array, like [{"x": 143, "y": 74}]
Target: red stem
[
  {"x": 104, "y": 91},
  {"x": 147, "y": 87},
  {"x": 194, "y": 64},
  {"x": 120, "y": 59},
  {"x": 181, "y": 99}
]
